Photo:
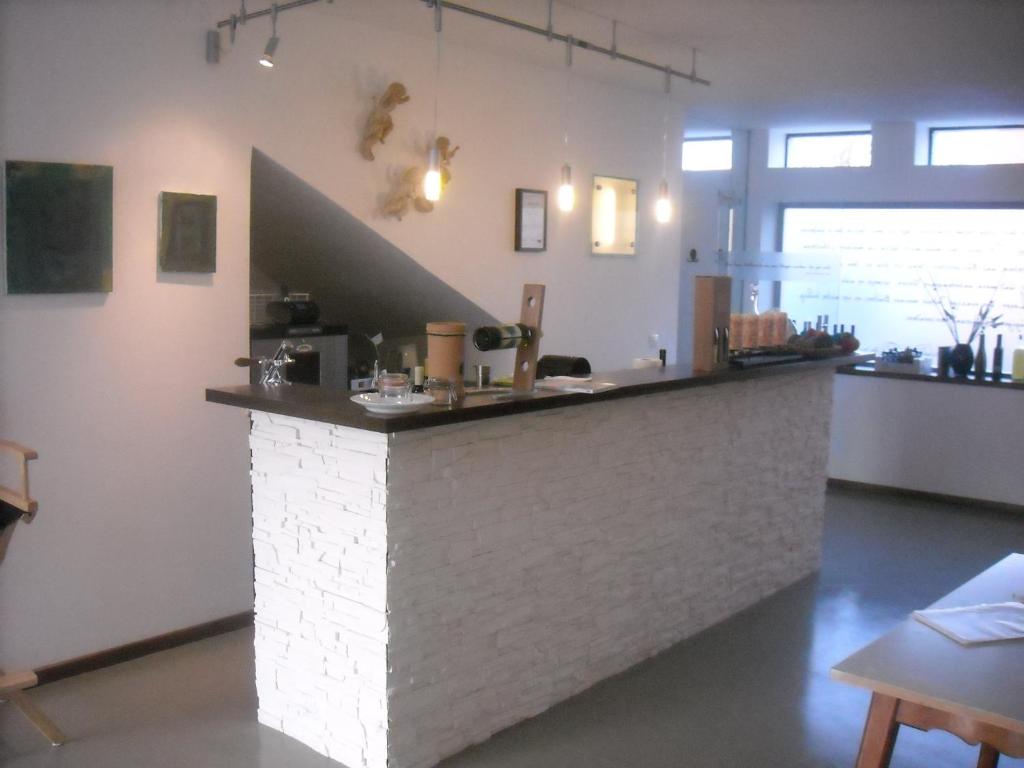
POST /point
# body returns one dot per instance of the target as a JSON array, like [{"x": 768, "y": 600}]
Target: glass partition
[{"x": 911, "y": 276}]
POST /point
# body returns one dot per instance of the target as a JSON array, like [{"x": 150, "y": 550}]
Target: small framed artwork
[
  {"x": 59, "y": 227},
  {"x": 531, "y": 220},
  {"x": 188, "y": 233}
]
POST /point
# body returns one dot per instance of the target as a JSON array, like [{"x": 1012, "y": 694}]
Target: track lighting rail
[
  {"x": 244, "y": 17},
  {"x": 551, "y": 34}
]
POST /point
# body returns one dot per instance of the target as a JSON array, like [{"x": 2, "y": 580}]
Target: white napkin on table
[
  {"x": 972, "y": 624},
  {"x": 585, "y": 385}
]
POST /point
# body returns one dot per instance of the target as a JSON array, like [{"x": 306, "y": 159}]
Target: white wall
[
  {"x": 926, "y": 437},
  {"x": 143, "y": 487}
]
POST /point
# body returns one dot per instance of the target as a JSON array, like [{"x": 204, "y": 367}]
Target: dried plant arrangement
[{"x": 948, "y": 308}]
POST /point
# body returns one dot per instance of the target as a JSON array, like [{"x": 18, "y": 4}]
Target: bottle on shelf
[
  {"x": 997, "y": 359},
  {"x": 509, "y": 336},
  {"x": 980, "y": 359},
  {"x": 1018, "y": 360}
]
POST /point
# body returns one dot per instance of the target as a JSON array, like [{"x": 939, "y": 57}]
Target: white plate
[{"x": 388, "y": 406}]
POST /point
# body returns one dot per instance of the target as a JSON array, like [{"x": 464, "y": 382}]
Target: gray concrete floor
[{"x": 753, "y": 691}]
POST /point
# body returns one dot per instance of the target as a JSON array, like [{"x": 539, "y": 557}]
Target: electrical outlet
[{"x": 654, "y": 340}]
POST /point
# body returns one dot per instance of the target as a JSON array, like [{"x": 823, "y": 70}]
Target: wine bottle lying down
[{"x": 510, "y": 336}]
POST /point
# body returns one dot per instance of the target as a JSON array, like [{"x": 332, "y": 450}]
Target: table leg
[
  {"x": 45, "y": 725},
  {"x": 879, "y": 732},
  {"x": 989, "y": 757}
]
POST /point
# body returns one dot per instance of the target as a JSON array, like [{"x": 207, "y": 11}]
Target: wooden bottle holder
[{"x": 531, "y": 314}]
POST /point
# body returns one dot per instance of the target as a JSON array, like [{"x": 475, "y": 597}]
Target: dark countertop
[
  {"x": 311, "y": 330},
  {"x": 869, "y": 370},
  {"x": 334, "y": 407}
]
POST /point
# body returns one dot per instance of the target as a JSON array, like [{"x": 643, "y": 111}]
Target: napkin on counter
[
  {"x": 586, "y": 385},
  {"x": 973, "y": 624}
]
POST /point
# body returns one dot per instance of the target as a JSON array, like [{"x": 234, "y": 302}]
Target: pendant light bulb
[
  {"x": 432, "y": 179},
  {"x": 566, "y": 193},
  {"x": 663, "y": 208}
]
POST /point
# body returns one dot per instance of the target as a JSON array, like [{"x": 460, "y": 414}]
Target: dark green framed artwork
[
  {"x": 188, "y": 233},
  {"x": 59, "y": 227}
]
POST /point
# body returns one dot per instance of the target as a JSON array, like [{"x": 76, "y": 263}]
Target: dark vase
[{"x": 961, "y": 360}]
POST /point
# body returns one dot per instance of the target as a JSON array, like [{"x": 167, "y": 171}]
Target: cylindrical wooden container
[
  {"x": 446, "y": 348},
  {"x": 751, "y": 338},
  {"x": 766, "y": 329},
  {"x": 736, "y": 340},
  {"x": 781, "y": 328}
]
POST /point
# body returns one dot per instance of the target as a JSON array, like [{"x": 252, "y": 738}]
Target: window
[
  {"x": 711, "y": 154},
  {"x": 877, "y": 267},
  {"x": 995, "y": 145},
  {"x": 846, "y": 149}
]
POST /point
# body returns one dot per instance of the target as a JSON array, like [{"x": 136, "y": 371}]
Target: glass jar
[{"x": 442, "y": 390}]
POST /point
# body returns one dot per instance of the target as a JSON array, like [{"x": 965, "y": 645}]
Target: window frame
[
  {"x": 941, "y": 128},
  {"x": 810, "y": 134},
  {"x": 728, "y": 138}
]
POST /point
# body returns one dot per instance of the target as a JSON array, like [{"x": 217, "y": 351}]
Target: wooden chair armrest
[
  {"x": 20, "y": 499},
  {"x": 26, "y": 453}
]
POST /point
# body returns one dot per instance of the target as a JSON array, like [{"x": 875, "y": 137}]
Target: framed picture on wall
[
  {"x": 531, "y": 220},
  {"x": 59, "y": 227},
  {"x": 188, "y": 232}
]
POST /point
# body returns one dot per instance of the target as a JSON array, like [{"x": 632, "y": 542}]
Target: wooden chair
[{"x": 15, "y": 506}]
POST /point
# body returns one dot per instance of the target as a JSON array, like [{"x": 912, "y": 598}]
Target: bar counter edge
[{"x": 334, "y": 407}]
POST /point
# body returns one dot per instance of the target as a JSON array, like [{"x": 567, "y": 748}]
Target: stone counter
[{"x": 420, "y": 590}]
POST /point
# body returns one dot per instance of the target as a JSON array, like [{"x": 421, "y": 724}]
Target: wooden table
[{"x": 923, "y": 679}]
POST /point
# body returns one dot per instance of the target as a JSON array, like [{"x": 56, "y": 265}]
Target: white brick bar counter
[{"x": 419, "y": 590}]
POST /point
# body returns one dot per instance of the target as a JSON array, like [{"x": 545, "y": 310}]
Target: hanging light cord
[
  {"x": 664, "y": 125},
  {"x": 568, "y": 95},
  {"x": 437, "y": 61}
]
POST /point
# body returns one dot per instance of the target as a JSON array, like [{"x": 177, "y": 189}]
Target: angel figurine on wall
[{"x": 379, "y": 124}]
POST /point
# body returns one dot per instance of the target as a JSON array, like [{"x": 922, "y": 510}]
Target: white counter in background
[{"x": 952, "y": 439}]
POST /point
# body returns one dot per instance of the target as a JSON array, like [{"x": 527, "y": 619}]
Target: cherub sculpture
[
  {"x": 408, "y": 192},
  {"x": 409, "y": 189},
  {"x": 379, "y": 124}
]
